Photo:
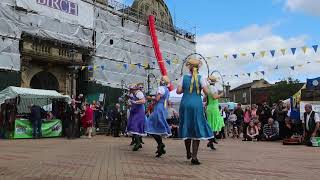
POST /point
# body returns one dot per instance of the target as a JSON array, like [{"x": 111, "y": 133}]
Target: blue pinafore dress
[
  {"x": 157, "y": 121},
  {"x": 136, "y": 121},
  {"x": 193, "y": 124}
]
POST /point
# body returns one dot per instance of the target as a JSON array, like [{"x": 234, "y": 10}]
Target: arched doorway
[{"x": 44, "y": 80}]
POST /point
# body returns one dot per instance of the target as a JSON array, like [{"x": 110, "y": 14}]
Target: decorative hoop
[{"x": 201, "y": 58}]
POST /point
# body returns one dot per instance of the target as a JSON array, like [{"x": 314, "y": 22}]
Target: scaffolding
[{"x": 141, "y": 18}]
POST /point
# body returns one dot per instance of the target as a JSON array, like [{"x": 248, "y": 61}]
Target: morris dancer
[
  {"x": 215, "y": 119},
  {"x": 193, "y": 124},
  {"x": 137, "y": 117},
  {"x": 157, "y": 125}
]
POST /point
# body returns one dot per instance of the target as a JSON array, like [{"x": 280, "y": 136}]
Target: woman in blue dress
[
  {"x": 193, "y": 124},
  {"x": 136, "y": 121},
  {"x": 157, "y": 125}
]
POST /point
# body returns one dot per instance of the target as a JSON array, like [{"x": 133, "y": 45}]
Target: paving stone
[{"x": 104, "y": 158}]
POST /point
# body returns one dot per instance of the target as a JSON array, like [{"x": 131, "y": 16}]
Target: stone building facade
[{"x": 54, "y": 52}]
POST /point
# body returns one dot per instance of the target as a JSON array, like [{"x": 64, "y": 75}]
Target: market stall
[{"x": 14, "y": 112}]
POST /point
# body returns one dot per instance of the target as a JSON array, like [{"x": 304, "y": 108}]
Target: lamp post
[
  {"x": 148, "y": 68},
  {"x": 72, "y": 53}
]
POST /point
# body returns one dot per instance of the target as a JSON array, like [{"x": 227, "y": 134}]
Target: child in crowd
[{"x": 233, "y": 124}]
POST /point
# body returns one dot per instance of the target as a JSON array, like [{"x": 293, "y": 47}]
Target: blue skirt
[
  {"x": 157, "y": 121},
  {"x": 193, "y": 124}
]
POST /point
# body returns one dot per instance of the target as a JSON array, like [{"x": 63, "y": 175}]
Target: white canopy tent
[{"x": 29, "y": 96}]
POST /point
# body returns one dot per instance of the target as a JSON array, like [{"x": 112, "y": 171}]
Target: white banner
[
  {"x": 315, "y": 106},
  {"x": 71, "y": 11}
]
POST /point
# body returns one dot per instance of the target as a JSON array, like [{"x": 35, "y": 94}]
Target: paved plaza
[{"x": 111, "y": 158}]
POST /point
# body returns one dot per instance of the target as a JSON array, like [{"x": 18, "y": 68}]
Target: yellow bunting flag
[
  {"x": 243, "y": 54},
  {"x": 318, "y": 61},
  {"x": 208, "y": 57},
  {"x": 226, "y": 56},
  {"x": 300, "y": 65},
  {"x": 263, "y": 53},
  {"x": 304, "y": 49},
  {"x": 83, "y": 67},
  {"x": 283, "y": 51},
  {"x": 133, "y": 66},
  {"x": 95, "y": 67},
  {"x": 119, "y": 66}
]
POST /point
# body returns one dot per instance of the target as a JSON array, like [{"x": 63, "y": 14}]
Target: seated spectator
[
  {"x": 288, "y": 128},
  {"x": 270, "y": 132},
  {"x": 260, "y": 129},
  {"x": 252, "y": 132}
]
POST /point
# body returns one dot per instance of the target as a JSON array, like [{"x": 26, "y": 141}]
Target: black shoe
[
  {"x": 195, "y": 162},
  {"x": 212, "y": 146},
  {"x": 136, "y": 147},
  {"x": 244, "y": 139},
  {"x": 132, "y": 143},
  {"x": 161, "y": 150},
  {"x": 189, "y": 155},
  {"x": 215, "y": 141}
]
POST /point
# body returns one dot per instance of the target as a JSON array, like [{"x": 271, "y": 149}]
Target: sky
[{"x": 245, "y": 26}]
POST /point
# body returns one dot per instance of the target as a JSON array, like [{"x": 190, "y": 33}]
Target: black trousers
[
  {"x": 116, "y": 128},
  {"x": 71, "y": 129},
  {"x": 158, "y": 139}
]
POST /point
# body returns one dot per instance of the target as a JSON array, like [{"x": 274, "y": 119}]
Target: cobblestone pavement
[{"x": 111, "y": 158}]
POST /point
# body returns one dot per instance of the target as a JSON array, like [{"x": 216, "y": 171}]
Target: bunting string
[
  {"x": 272, "y": 52},
  {"x": 263, "y": 72}
]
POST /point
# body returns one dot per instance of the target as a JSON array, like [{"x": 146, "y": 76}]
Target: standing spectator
[
  {"x": 280, "y": 115},
  {"x": 227, "y": 112},
  {"x": 254, "y": 111},
  {"x": 239, "y": 113},
  {"x": 270, "y": 132},
  {"x": 80, "y": 101},
  {"x": 274, "y": 106},
  {"x": 117, "y": 116},
  {"x": 311, "y": 124},
  {"x": 246, "y": 121},
  {"x": 87, "y": 120},
  {"x": 224, "y": 116},
  {"x": 36, "y": 118},
  {"x": 173, "y": 121},
  {"x": 264, "y": 113},
  {"x": 72, "y": 119},
  {"x": 95, "y": 108},
  {"x": 252, "y": 132},
  {"x": 232, "y": 123}
]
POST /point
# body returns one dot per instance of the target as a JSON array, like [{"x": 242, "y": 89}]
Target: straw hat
[
  {"x": 213, "y": 79},
  {"x": 140, "y": 85},
  {"x": 165, "y": 79},
  {"x": 132, "y": 87},
  {"x": 193, "y": 62}
]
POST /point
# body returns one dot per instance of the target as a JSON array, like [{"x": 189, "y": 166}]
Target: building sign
[
  {"x": 61, "y": 5},
  {"x": 71, "y": 11}
]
